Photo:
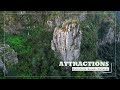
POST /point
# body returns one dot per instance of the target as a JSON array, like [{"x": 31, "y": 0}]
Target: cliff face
[
  {"x": 67, "y": 40},
  {"x": 7, "y": 57},
  {"x": 109, "y": 38}
]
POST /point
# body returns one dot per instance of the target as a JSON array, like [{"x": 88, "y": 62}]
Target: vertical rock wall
[{"x": 67, "y": 40}]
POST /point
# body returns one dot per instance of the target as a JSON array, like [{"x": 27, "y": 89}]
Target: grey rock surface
[
  {"x": 67, "y": 40},
  {"x": 110, "y": 37},
  {"x": 7, "y": 57}
]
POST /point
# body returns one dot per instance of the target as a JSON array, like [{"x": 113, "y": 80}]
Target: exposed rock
[
  {"x": 59, "y": 18},
  {"x": 57, "y": 21},
  {"x": 110, "y": 38},
  {"x": 7, "y": 57},
  {"x": 13, "y": 27},
  {"x": 82, "y": 17},
  {"x": 67, "y": 40},
  {"x": 50, "y": 25},
  {"x": 2, "y": 66}
]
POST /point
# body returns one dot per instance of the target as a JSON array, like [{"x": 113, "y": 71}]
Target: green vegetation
[{"x": 33, "y": 46}]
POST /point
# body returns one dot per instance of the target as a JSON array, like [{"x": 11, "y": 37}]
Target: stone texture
[
  {"x": 109, "y": 38},
  {"x": 61, "y": 16},
  {"x": 67, "y": 40},
  {"x": 7, "y": 57}
]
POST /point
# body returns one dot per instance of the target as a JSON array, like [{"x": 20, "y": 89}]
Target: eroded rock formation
[
  {"x": 7, "y": 57},
  {"x": 67, "y": 40}
]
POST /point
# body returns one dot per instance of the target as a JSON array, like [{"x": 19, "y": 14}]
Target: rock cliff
[
  {"x": 7, "y": 57},
  {"x": 67, "y": 40},
  {"x": 109, "y": 38}
]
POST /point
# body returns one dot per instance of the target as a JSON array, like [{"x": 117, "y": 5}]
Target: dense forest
[{"x": 25, "y": 43}]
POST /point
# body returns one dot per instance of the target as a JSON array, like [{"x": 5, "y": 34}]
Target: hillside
[{"x": 38, "y": 41}]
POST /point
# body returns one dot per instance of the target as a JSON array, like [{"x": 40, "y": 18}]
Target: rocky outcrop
[
  {"x": 59, "y": 18},
  {"x": 67, "y": 40},
  {"x": 110, "y": 37},
  {"x": 57, "y": 21},
  {"x": 13, "y": 27},
  {"x": 7, "y": 57}
]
